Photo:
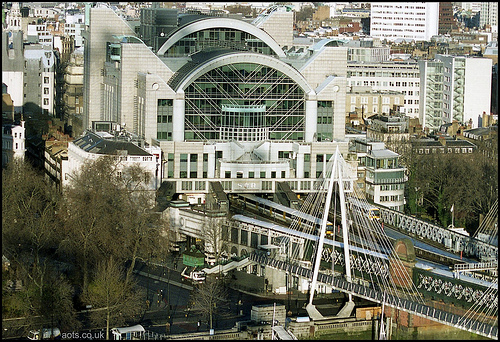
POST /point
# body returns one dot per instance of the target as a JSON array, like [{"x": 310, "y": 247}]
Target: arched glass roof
[
  {"x": 203, "y": 62},
  {"x": 223, "y": 24}
]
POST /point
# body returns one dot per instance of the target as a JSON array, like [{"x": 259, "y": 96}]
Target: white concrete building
[
  {"x": 379, "y": 173},
  {"x": 395, "y": 76},
  {"x": 454, "y": 88},
  {"x": 406, "y": 20},
  {"x": 277, "y": 21},
  {"x": 248, "y": 118},
  {"x": 13, "y": 142},
  {"x": 489, "y": 15},
  {"x": 40, "y": 32},
  {"x": 92, "y": 146},
  {"x": 74, "y": 26}
]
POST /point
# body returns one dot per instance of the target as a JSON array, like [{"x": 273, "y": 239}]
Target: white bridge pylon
[{"x": 335, "y": 177}]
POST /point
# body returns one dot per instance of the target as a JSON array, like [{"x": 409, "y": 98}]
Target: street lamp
[{"x": 416, "y": 201}]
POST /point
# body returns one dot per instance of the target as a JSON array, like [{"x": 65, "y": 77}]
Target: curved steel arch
[
  {"x": 224, "y": 23},
  {"x": 247, "y": 57}
]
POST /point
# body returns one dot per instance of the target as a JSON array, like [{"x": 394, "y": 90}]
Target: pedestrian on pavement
[{"x": 199, "y": 324}]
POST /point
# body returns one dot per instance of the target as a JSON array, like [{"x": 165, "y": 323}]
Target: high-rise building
[
  {"x": 489, "y": 15},
  {"x": 454, "y": 88},
  {"x": 404, "y": 20},
  {"x": 222, "y": 101},
  {"x": 39, "y": 79},
  {"x": 446, "y": 20}
]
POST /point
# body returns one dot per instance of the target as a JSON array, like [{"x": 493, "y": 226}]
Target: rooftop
[{"x": 93, "y": 143}]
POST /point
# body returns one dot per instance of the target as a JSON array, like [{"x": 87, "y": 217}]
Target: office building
[
  {"x": 366, "y": 102},
  {"x": 488, "y": 16},
  {"x": 277, "y": 21},
  {"x": 404, "y": 20},
  {"x": 221, "y": 99},
  {"x": 454, "y": 88},
  {"x": 39, "y": 79},
  {"x": 446, "y": 20},
  {"x": 393, "y": 76},
  {"x": 379, "y": 173}
]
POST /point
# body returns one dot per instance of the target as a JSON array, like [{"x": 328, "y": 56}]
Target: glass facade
[
  {"x": 249, "y": 89},
  {"x": 164, "y": 119},
  {"x": 218, "y": 38}
]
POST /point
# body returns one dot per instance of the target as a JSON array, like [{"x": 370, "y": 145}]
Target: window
[
  {"x": 273, "y": 174},
  {"x": 227, "y": 174},
  {"x": 45, "y": 102},
  {"x": 283, "y": 174},
  {"x": 251, "y": 174},
  {"x": 46, "y": 91},
  {"x": 262, "y": 174},
  {"x": 193, "y": 158},
  {"x": 46, "y": 80}
]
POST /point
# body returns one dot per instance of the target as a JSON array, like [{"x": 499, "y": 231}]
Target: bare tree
[
  {"x": 215, "y": 235},
  {"x": 208, "y": 297},
  {"x": 110, "y": 212},
  {"x": 29, "y": 207},
  {"x": 113, "y": 300}
]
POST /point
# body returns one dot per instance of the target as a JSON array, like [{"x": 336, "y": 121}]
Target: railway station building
[{"x": 222, "y": 100}]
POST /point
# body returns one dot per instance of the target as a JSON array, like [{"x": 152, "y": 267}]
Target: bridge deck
[{"x": 418, "y": 309}]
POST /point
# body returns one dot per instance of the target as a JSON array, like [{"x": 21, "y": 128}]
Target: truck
[{"x": 47, "y": 333}]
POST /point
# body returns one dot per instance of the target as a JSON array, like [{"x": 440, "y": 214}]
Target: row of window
[
  {"x": 384, "y": 83},
  {"x": 385, "y": 109},
  {"x": 392, "y": 198},
  {"x": 385, "y": 100},
  {"x": 389, "y": 187},
  {"x": 442, "y": 150},
  {"x": 354, "y": 73}
]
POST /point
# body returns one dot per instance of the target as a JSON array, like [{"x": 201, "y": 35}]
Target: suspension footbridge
[{"x": 365, "y": 263}]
